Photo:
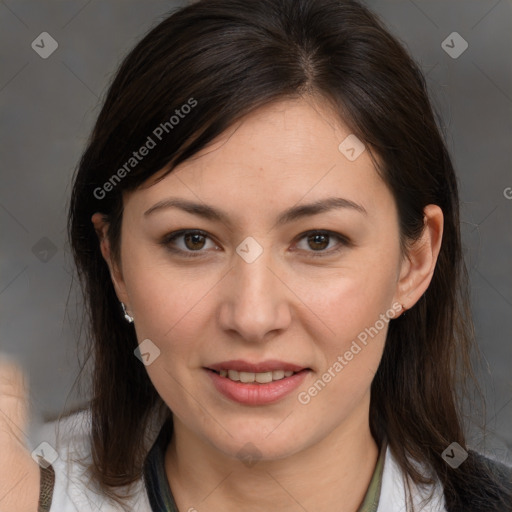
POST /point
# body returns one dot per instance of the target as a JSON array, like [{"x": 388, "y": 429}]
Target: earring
[
  {"x": 404, "y": 310},
  {"x": 128, "y": 318}
]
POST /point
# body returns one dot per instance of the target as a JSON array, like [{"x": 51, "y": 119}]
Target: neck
[{"x": 331, "y": 475}]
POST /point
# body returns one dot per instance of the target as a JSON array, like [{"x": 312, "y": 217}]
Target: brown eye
[
  {"x": 188, "y": 242},
  {"x": 322, "y": 243},
  {"x": 194, "y": 241},
  {"x": 318, "y": 242}
]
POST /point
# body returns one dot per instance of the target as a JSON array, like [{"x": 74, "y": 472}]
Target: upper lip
[{"x": 262, "y": 367}]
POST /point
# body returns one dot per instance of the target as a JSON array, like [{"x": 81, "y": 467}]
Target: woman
[{"x": 267, "y": 216}]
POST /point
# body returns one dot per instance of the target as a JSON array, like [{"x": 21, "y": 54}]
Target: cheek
[
  {"x": 350, "y": 299},
  {"x": 354, "y": 308},
  {"x": 168, "y": 304},
  {"x": 169, "y": 309},
  {"x": 161, "y": 295},
  {"x": 351, "y": 350}
]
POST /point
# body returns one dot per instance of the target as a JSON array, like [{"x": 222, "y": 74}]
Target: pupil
[
  {"x": 195, "y": 240},
  {"x": 319, "y": 239}
]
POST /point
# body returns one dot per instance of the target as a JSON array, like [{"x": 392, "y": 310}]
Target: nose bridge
[{"x": 256, "y": 302}]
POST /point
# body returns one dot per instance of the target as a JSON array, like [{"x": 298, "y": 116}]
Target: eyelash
[{"x": 171, "y": 237}]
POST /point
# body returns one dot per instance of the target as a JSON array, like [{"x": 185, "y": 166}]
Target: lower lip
[{"x": 257, "y": 394}]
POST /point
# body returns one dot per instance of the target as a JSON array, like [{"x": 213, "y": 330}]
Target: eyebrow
[{"x": 295, "y": 212}]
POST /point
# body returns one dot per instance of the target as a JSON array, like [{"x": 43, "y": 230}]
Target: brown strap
[{"x": 46, "y": 488}]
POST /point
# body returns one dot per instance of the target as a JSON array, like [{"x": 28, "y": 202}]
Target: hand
[{"x": 19, "y": 474}]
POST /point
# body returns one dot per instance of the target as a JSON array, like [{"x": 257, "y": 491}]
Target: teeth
[
  {"x": 261, "y": 378},
  {"x": 233, "y": 375},
  {"x": 247, "y": 377}
]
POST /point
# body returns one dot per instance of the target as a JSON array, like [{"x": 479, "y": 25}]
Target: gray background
[{"x": 48, "y": 107}]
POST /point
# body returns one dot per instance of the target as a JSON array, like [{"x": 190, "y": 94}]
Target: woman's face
[{"x": 297, "y": 266}]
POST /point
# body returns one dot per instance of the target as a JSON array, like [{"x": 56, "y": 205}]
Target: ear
[
  {"x": 420, "y": 261},
  {"x": 101, "y": 226}
]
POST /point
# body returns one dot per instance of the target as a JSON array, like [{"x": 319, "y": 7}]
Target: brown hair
[{"x": 232, "y": 57}]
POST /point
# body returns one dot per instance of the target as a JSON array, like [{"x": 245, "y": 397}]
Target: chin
[{"x": 256, "y": 447}]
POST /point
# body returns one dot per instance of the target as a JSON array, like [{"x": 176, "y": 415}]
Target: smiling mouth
[{"x": 256, "y": 378}]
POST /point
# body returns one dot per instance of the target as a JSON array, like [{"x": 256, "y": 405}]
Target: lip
[
  {"x": 257, "y": 394},
  {"x": 264, "y": 366}
]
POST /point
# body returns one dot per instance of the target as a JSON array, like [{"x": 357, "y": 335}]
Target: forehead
[{"x": 274, "y": 157}]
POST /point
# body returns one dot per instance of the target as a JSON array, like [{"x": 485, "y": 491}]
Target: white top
[{"x": 74, "y": 491}]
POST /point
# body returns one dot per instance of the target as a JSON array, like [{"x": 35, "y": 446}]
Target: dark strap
[
  {"x": 46, "y": 487},
  {"x": 159, "y": 493}
]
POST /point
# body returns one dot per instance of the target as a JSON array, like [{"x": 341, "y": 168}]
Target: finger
[{"x": 13, "y": 399}]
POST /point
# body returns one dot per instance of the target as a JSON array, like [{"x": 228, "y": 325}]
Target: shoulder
[
  {"x": 500, "y": 470},
  {"x": 492, "y": 491},
  {"x": 68, "y": 444}
]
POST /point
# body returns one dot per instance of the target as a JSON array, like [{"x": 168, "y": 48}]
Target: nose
[{"x": 256, "y": 303}]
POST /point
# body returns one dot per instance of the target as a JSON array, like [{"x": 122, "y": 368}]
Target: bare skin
[
  {"x": 287, "y": 304},
  {"x": 19, "y": 474}
]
